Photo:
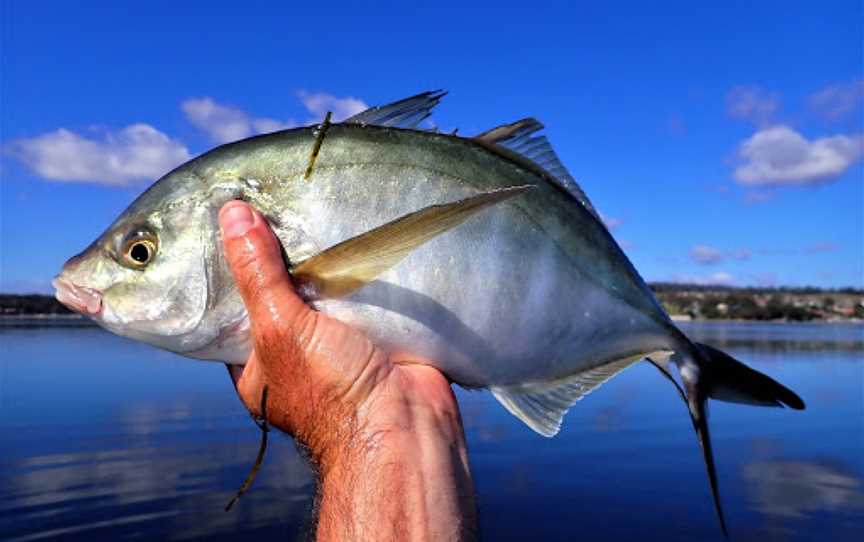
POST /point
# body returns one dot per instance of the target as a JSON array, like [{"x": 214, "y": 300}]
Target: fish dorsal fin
[
  {"x": 542, "y": 405},
  {"x": 407, "y": 113},
  {"x": 346, "y": 267},
  {"x": 521, "y": 138}
]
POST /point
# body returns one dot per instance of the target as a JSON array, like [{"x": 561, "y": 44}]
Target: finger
[
  {"x": 247, "y": 383},
  {"x": 235, "y": 372},
  {"x": 255, "y": 258}
]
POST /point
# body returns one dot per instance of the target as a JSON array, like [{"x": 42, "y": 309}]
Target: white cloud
[
  {"x": 265, "y": 125},
  {"x": 220, "y": 122},
  {"x": 223, "y": 123},
  {"x": 319, "y": 103},
  {"x": 837, "y": 102},
  {"x": 781, "y": 156},
  {"x": 752, "y": 103},
  {"x": 706, "y": 255},
  {"x": 719, "y": 279},
  {"x": 136, "y": 152},
  {"x": 139, "y": 151}
]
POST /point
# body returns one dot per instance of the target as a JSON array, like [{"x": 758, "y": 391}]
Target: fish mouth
[{"x": 87, "y": 301}]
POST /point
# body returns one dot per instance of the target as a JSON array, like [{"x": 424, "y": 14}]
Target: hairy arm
[
  {"x": 384, "y": 433},
  {"x": 408, "y": 481}
]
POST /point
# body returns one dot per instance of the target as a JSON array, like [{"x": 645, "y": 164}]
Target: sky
[{"x": 721, "y": 142}]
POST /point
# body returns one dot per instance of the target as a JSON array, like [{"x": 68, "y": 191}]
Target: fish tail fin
[
  {"x": 707, "y": 372},
  {"x": 729, "y": 380}
]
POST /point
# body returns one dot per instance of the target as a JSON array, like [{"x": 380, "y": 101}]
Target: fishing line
[
  {"x": 319, "y": 139},
  {"x": 262, "y": 424}
]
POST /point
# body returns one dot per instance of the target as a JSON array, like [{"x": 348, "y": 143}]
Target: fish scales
[
  {"x": 544, "y": 230},
  {"x": 465, "y": 251}
]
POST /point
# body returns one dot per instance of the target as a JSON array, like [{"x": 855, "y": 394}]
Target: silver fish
[{"x": 480, "y": 253}]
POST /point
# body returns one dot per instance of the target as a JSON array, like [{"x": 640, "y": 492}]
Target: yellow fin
[{"x": 346, "y": 267}]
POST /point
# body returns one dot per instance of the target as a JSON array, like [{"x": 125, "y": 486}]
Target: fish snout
[
  {"x": 87, "y": 301},
  {"x": 81, "y": 262}
]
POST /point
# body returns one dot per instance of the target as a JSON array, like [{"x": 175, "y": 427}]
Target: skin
[{"x": 383, "y": 430}]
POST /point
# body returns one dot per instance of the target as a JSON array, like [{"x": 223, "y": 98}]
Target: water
[{"x": 105, "y": 439}]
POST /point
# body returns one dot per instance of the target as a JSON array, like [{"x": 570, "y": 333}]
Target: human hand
[{"x": 380, "y": 428}]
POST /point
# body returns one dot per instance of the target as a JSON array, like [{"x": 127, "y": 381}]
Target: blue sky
[{"x": 722, "y": 142}]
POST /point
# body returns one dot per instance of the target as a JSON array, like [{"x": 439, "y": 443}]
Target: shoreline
[
  {"x": 77, "y": 320},
  {"x": 45, "y": 320},
  {"x": 684, "y": 319}
]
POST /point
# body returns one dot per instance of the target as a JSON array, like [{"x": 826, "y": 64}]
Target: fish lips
[{"x": 87, "y": 301}]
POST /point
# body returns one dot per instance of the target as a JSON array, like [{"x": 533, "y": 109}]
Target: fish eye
[{"x": 139, "y": 249}]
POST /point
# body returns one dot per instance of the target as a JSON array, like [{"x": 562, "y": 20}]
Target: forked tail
[{"x": 709, "y": 373}]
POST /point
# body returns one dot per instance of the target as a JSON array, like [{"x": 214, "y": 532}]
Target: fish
[{"x": 482, "y": 254}]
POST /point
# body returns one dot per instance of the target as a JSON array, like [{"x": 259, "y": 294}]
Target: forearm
[{"x": 408, "y": 483}]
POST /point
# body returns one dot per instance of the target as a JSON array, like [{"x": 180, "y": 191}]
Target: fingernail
[{"x": 236, "y": 219}]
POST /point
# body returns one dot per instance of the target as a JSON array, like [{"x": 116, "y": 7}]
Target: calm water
[{"x": 106, "y": 439}]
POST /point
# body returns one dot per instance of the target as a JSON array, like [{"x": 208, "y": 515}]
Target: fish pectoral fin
[
  {"x": 346, "y": 267},
  {"x": 542, "y": 405}
]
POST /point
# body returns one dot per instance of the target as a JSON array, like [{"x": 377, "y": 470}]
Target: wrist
[
  {"x": 399, "y": 411},
  {"x": 409, "y": 470},
  {"x": 362, "y": 440}
]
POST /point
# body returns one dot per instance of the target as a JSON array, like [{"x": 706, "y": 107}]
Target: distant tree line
[
  {"x": 11, "y": 304},
  {"x": 794, "y": 304},
  {"x": 694, "y": 300},
  {"x": 664, "y": 287}
]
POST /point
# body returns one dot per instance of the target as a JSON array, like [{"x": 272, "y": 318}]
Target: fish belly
[{"x": 494, "y": 301}]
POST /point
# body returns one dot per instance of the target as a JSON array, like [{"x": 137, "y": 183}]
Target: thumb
[{"x": 255, "y": 258}]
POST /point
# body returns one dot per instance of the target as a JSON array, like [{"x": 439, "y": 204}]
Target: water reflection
[
  {"x": 100, "y": 444},
  {"x": 779, "y": 337},
  {"x": 798, "y": 489},
  {"x": 105, "y": 439},
  {"x": 174, "y": 492}
]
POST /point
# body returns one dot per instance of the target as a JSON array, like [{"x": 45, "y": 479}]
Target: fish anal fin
[
  {"x": 542, "y": 405},
  {"x": 346, "y": 267},
  {"x": 660, "y": 357}
]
